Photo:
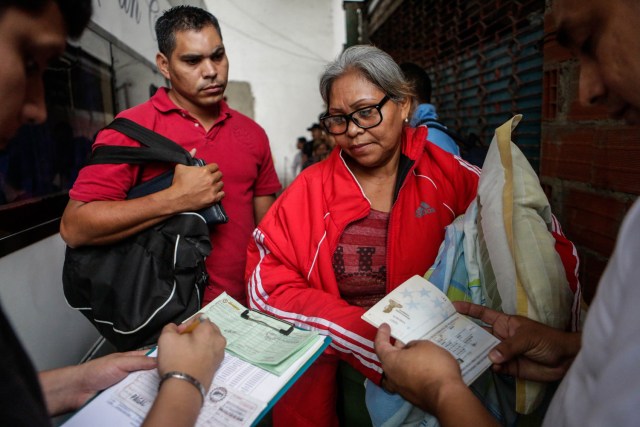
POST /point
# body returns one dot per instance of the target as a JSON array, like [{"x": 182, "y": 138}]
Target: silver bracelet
[{"x": 188, "y": 378}]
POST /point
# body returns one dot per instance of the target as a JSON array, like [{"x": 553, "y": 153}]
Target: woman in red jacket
[{"x": 353, "y": 227}]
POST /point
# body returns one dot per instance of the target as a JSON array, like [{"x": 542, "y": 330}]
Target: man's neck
[{"x": 206, "y": 116}]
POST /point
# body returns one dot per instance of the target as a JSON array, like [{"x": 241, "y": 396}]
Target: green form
[{"x": 261, "y": 340}]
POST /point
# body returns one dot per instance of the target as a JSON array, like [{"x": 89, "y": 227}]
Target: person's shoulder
[
  {"x": 443, "y": 140},
  {"x": 307, "y": 186},
  {"x": 316, "y": 174},
  {"x": 291, "y": 201},
  {"x": 436, "y": 158},
  {"x": 142, "y": 114},
  {"x": 137, "y": 109},
  {"x": 152, "y": 110}
]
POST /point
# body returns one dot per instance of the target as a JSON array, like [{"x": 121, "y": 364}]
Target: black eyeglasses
[{"x": 365, "y": 118}]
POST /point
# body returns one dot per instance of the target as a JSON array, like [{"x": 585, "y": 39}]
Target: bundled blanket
[{"x": 500, "y": 254}]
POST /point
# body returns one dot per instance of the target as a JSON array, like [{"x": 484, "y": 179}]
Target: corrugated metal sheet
[{"x": 483, "y": 58}]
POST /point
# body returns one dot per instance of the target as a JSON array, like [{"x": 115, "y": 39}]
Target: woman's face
[{"x": 375, "y": 147}]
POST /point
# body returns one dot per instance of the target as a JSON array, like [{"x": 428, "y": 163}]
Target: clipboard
[
  {"x": 283, "y": 390},
  {"x": 242, "y": 383},
  {"x": 254, "y": 316}
]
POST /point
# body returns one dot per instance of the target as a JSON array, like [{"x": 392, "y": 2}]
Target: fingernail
[{"x": 495, "y": 356}]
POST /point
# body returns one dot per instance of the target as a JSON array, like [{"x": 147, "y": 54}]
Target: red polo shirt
[{"x": 236, "y": 143}]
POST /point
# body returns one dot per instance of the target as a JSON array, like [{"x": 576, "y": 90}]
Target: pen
[{"x": 194, "y": 325}]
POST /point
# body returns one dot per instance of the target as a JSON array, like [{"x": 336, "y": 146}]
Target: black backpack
[{"x": 131, "y": 289}]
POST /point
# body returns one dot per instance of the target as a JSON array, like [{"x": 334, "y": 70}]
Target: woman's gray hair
[{"x": 375, "y": 65}]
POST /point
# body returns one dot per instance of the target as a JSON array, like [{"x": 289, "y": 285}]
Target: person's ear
[
  {"x": 405, "y": 107},
  {"x": 162, "y": 62}
]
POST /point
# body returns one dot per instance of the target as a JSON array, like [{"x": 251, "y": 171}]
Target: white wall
[
  {"x": 31, "y": 293},
  {"x": 280, "y": 47},
  {"x": 131, "y": 21}
]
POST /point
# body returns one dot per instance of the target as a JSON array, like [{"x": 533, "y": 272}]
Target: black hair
[
  {"x": 76, "y": 13},
  {"x": 181, "y": 18},
  {"x": 419, "y": 79}
]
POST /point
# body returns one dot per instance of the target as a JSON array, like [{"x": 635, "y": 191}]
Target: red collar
[{"x": 164, "y": 104}]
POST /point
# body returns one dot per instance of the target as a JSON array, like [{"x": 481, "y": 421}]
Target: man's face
[
  {"x": 316, "y": 133},
  {"x": 604, "y": 36},
  {"x": 197, "y": 69},
  {"x": 27, "y": 44}
]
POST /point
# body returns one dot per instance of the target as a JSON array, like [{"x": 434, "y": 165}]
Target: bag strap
[{"x": 158, "y": 148}]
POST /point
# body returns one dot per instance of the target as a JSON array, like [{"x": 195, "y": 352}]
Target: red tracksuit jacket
[{"x": 289, "y": 267}]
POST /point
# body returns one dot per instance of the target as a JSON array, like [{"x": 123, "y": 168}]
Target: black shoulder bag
[{"x": 131, "y": 289}]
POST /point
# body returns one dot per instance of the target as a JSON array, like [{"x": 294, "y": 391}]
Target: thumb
[
  {"x": 382, "y": 342},
  {"x": 193, "y": 152},
  {"x": 384, "y": 334}
]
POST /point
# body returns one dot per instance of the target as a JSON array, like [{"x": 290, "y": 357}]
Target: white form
[{"x": 238, "y": 395}]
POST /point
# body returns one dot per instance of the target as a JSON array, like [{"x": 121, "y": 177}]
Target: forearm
[
  {"x": 178, "y": 404},
  {"x": 62, "y": 390},
  {"x": 457, "y": 406},
  {"x": 320, "y": 310},
  {"x": 104, "y": 222},
  {"x": 261, "y": 205}
]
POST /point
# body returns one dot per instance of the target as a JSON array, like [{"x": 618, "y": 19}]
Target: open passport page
[{"x": 418, "y": 310}]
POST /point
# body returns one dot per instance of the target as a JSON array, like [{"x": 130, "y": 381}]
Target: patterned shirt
[{"x": 360, "y": 260}]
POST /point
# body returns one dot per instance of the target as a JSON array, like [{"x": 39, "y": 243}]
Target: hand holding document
[
  {"x": 259, "y": 365},
  {"x": 418, "y": 310}
]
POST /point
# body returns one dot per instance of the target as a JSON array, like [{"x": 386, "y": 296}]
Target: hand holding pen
[
  {"x": 195, "y": 349},
  {"x": 188, "y": 357}
]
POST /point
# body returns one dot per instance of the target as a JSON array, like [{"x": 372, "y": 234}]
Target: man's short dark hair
[
  {"x": 181, "y": 18},
  {"x": 419, "y": 79},
  {"x": 76, "y": 13}
]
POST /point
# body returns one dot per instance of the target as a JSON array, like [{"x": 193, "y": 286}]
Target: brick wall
[{"x": 590, "y": 165}]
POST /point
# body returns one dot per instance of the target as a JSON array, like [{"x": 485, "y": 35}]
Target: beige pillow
[{"x": 522, "y": 272}]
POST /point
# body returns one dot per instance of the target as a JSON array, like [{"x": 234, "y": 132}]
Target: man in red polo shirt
[{"x": 193, "y": 114}]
